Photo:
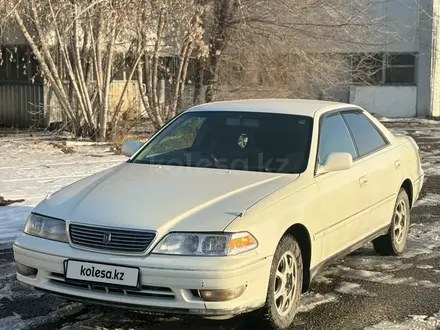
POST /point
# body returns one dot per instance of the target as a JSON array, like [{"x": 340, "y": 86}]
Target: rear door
[
  {"x": 344, "y": 200},
  {"x": 384, "y": 171}
]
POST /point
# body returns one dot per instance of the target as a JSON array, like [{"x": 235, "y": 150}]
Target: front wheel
[
  {"x": 285, "y": 287},
  {"x": 394, "y": 242}
]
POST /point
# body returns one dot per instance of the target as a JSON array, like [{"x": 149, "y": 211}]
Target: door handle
[
  {"x": 397, "y": 164},
  {"x": 363, "y": 181}
]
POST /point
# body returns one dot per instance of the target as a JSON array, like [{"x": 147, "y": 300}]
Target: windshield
[{"x": 247, "y": 141}]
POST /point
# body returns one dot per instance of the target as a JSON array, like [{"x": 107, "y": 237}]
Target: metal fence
[
  {"x": 24, "y": 105},
  {"x": 21, "y": 105}
]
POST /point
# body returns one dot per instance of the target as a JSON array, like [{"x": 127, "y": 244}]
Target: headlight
[
  {"x": 206, "y": 244},
  {"x": 41, "y": 226}
]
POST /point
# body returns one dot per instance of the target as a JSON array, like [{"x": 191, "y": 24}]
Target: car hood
[{"x": 162, "y": 198}]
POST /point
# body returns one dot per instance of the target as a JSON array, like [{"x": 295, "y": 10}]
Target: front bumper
[{"x": 169, "y": 284}]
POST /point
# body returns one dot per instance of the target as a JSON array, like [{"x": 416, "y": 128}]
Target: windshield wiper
[
  {"x": 259, "y": 169},
  {"x": 171, "y": 163}
]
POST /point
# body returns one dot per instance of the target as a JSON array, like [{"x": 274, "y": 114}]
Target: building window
[
  {"x": 400, "y": 69},
  {"x": 367, "y": 69},
  {"x": 120, "y": 67},
  {"x": 18, "y": 65},
  {"x": 384, "y": 69}
]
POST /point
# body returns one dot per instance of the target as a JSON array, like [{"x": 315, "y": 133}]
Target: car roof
[{"x": 281, "y": 106}]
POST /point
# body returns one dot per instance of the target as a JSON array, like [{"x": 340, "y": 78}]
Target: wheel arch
[
  {"x": 302, "y": 236},
  {"x": 408, "y": 186}
]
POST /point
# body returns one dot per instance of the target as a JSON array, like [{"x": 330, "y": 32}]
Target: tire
[
  {"x": 279, "y": 313},
  {"x": 394, "y": 242}
]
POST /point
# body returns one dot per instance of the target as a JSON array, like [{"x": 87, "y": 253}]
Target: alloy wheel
[
  {"x": 400, "y": 222},
  {"x": 285, "y": 280}
]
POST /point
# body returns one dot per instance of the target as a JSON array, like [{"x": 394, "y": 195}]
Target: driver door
[{"x": 344, "y": 199}]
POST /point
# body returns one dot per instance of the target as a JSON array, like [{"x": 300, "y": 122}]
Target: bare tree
[
  {"x": 68, "y": 39},
  {"x": 234, "y": 48},
  {"x": 287, "y": 48},
  {"x": 164, "y": 50},
  {"x": 76, "y": 44}
]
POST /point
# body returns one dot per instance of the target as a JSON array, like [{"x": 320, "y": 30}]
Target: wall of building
[
  {"x": 435, "y": 73},
  {"x": 12, "y": 35},
  {"x": 408, "y": 28},
  {"x": 387, "y": 101},
  {"x": 424, "y": 63},
  {"x": 397, "y": 22}
]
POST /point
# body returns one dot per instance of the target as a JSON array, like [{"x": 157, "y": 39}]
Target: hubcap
[
  {"x": 285, "y": 280},
  {"x": 400, "y": 222}
]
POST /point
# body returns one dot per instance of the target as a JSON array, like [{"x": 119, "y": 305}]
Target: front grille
[
  {"x": 110, "y": 239},
  {"x": 146, "y": 290}
]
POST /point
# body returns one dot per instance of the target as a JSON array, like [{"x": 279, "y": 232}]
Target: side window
[
  {"x": 335, "y": 137},
  {"x": 366, "y": 135}
]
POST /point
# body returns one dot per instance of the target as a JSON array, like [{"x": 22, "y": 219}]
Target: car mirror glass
[{"x": 130, "y": 148}]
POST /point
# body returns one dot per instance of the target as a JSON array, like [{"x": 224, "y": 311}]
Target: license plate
[{"x": 102, "y": 273}]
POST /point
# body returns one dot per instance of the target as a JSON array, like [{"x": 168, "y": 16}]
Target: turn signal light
[{"x": 241, "y": 242}]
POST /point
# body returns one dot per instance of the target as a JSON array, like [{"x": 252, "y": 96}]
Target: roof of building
[{"x": 281, "y": 106}]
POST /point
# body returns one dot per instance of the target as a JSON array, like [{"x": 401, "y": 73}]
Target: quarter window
[
  {"x": 365, "y": 134},
  {"x": 335, "y": 137}
]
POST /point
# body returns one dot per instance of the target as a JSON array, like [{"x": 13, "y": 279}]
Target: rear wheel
[
  {"x": 285, "y": 287},
  {"x": 394, "y": 242}
]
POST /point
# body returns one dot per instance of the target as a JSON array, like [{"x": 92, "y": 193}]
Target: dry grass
[
  {"x": 63, "y": 148},
  {"x": 6, "y": 202}
]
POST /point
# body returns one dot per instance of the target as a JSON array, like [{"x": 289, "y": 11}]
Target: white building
[{"x": 408, "y": 84}]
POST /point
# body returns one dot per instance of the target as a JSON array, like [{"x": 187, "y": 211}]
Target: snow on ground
[
  {"x": 310, "y": 300},
  {"x": 30, "y": 168},
  {"x": 432, "y": 171},
  {"x": 352, "y": 288},
  {"x": 424, "y": 267},
  {"x": 424, "y": 239},
  {"x": 414, "y": 322},
  {"x": 377, "y": 277},
  {"x": 412, "y": 120},
  {"x": 423, "y": 245},
  {"x": 429, "y": 200},
  {"x": 15, "y": 322}
]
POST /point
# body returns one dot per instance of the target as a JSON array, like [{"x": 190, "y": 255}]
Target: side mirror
[
  {"x": 130, "y": 147},
  {"x": 337, "y": 161}
]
